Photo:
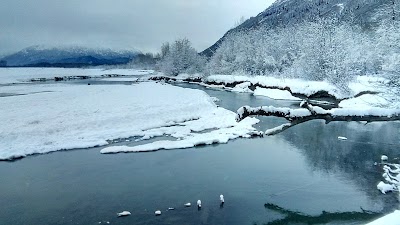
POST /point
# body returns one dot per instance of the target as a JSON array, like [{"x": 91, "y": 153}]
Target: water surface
[{"x": 304, "y": 169}]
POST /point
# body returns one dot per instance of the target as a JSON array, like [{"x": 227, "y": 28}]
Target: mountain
[
  {"x": 366, "y": 13},
  {"x": 67, "y": 57}
]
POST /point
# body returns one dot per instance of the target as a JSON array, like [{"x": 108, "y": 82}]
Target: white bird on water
[
  {"x": 199, "y": 203},
  {"x": 158, "y": 212},
  {"x": 188, "y": 204},
  {"x": 384, "y": 158},
  {"x": 221, "y": 197}
]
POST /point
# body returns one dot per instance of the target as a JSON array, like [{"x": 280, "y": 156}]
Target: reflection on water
[{"x": 305, "y": 169}]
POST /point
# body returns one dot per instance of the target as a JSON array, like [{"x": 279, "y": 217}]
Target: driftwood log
[{"x": 308, "y": 112}]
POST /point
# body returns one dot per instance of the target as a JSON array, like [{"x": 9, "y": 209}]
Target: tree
[{"x": 180, "y": 57}]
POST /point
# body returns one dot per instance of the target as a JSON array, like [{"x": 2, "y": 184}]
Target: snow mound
[
  {"x": 275, "y": 94},
  {"x": 49, "y": 118}
]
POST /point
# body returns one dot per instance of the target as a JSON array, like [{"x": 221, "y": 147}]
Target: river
[{"x": 305, "y": 170}]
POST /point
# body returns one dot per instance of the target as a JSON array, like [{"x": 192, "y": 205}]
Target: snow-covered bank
[
  {"x": 55, "y": 117},
  {"x": 287, "y": 88},
  {"x": 21, "y": 75},
  {"x": 295, "y": 86},
  {"x": 390, "y": 219},
  {"x": 275, "y": 94}
]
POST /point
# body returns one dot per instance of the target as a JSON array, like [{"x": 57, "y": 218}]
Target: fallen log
[{"x": 309, "y": 112}]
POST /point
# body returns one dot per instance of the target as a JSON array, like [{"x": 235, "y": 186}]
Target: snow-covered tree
[{"x": 180, "y": 57}]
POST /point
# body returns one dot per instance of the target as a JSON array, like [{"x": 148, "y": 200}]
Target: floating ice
[{"x": 124, "y": 213}]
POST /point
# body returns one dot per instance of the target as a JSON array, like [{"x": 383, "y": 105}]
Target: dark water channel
[{"x": 305, "y": 169}]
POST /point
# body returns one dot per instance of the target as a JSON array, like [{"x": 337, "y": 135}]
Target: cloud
[{"x": 120, "y": 24}]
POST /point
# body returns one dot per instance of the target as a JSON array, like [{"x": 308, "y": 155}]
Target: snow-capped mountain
[
  {"x": 67, "y": 57},
  {"x": 281, "y": 13}
]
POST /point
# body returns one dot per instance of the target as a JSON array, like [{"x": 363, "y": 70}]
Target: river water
[{"x": 299, "y": 173}]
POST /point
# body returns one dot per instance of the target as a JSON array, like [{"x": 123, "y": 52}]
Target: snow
[
  {"x": 21, "y": 75},
  {"x": 52, "y": 117},
  {"x": 274, "y": 130},
  {"x": 121, "y": 79},
  {"x": 187, "y": 139},
  {"x": 275, "y": 94},
  {"x": 384, "y": 188},
  {"x": 124, "y": 213},
  {"x": 300, "y": 86},
  {"x": 242, "y": 88},
  {"x": 366, "y": 101},
  {"x": 390, "y": 219}
]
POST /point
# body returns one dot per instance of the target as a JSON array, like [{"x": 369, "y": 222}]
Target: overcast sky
[{"x": 122, "y": 24}]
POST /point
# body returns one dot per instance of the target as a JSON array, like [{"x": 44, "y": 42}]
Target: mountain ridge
[{"x": 67, "y": 57}]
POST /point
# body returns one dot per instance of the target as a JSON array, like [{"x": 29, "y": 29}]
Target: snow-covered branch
[{"x": 309, "y": 112}]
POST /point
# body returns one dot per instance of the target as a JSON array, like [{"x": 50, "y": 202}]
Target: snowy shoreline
[
  {"x": 47, "y": 117},
  {"x": 361, "y": 89}
]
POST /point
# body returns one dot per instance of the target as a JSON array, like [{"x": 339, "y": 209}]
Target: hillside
[{"x": 288, "y": 12}]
